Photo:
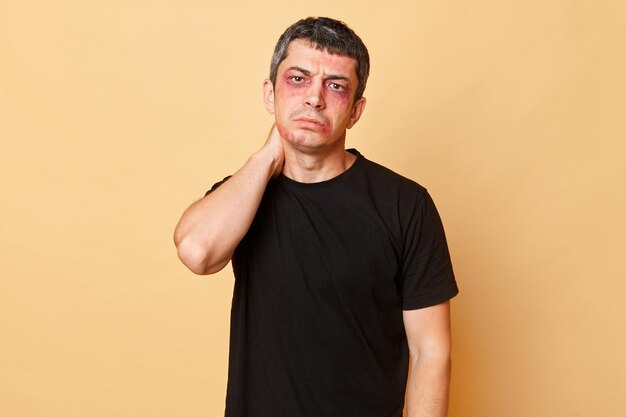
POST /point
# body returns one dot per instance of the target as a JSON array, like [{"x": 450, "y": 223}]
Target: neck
[{"x": 310, "y": 167}]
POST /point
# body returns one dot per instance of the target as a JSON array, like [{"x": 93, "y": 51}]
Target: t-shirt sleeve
[
  {"x": 216, "y": 185},
  {"x": 427, "y": 275}
]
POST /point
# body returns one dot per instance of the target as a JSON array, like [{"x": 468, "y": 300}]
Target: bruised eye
[
  {"x": 297, "y": 79},
  {"x": 336, "y": 87}
]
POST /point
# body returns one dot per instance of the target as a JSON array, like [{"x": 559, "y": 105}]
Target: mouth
[
  {"x": 311, "y": 123},
  {"x": 309, "y": 120}
]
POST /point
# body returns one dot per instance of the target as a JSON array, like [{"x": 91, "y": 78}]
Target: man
[{"x": 342, "y": 268}]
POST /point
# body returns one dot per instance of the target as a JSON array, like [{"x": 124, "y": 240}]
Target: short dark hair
[{"x": 325, "y": 34}]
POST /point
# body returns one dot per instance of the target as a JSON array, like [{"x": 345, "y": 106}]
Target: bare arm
[
  {"x": 210, "y": 229},
  {"x": 428, "y": 334}
]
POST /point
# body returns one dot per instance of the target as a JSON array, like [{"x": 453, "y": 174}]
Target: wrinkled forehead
[{"x": 302, "y": 48}]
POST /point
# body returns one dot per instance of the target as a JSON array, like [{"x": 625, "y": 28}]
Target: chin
[
  {"x": 298, "y": 140},
  {"x": 303, "y": 138}
]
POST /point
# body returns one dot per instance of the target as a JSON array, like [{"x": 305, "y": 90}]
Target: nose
[{"x": 314, "y": 97}]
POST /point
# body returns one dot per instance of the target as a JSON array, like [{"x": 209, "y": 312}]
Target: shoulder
[{"x": 387, "y": 182}]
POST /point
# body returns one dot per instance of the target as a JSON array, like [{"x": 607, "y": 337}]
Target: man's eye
[
  {"x": 297, "y": 79},
  {"x": 335, "y": 86}
]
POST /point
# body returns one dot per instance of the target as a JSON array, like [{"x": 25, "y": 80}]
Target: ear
[
  {"x": 357, "y": 110},
  {"x": 268, "y": 95}
]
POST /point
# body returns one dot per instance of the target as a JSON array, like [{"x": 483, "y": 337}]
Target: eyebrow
[{"x": 328, "y": 76}]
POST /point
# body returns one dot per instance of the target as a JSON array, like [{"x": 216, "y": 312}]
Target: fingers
[
  {"x": 274, "y": 135},
  {"x": 274, "y": 145}
]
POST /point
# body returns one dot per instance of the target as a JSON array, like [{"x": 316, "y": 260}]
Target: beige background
[{"x": 115, "y": 115}]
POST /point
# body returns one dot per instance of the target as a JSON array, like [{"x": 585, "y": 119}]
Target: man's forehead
[{"x": 304, "y": 47}]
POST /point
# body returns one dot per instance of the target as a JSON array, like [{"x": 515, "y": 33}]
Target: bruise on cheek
[
  {"x": 344, "y": 96},
  {"x": 290, "y": 88}
]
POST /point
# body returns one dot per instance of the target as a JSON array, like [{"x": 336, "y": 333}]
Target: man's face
[{"x": 313, "y": 98}]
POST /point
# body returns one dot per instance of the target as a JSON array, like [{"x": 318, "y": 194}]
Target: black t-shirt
[{"x": 321, "y": 279}]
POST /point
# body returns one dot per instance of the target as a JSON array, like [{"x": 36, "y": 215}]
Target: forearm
[
  {"x": 210, "y": 229},
  {"x": 428, "y": 387}
]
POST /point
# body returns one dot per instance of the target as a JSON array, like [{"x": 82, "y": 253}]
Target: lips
[{"x": 309, "y": 120}]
